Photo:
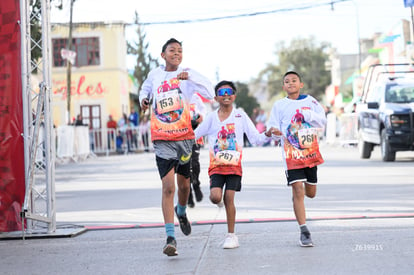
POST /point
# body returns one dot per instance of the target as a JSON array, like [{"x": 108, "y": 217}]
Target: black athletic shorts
[
  {"x": 165, "y": 166},
  {"x": 232, "y": 182},
  {"x": 307, "y": 175}
]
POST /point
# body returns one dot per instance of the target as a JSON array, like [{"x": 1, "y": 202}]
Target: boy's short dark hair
[
  {"x": 225, "y": 82},
  {"x": 170, "y": 41},
  {"x": 292, "y": 72}
]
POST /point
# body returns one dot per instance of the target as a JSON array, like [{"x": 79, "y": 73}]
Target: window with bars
[
  {"x": 91, "y": 115},
  {"x": 86, "y": 48},
  {"x": 58, "y": 44}
]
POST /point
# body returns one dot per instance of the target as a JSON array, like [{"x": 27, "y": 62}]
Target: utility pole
[
  {"x": 69, "y": 65},
  {"x": 358, "y": 37},
  {"x": 412, "y": 23}
]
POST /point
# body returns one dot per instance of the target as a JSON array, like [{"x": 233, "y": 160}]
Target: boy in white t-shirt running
[
  {"x": 171, "y": 87},
  {"x": 225, "y": 129},
  {"x": 296, "y": 121}
]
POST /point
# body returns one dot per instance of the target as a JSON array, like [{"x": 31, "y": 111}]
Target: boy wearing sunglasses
[
  {"x": 296, "y": 120},
  {"x": 170, "y": 89},
  {"x": 225, "y": 129}
]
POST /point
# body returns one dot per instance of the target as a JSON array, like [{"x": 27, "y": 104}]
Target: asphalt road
[
  {"x": 127, "y": 189},
  {"x": 361, "y": 220}
]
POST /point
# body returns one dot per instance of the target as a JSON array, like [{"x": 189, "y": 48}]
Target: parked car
[{"x": 385, "y": 113}]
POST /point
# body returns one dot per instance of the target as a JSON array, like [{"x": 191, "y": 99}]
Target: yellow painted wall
[{"x": 106, "y": 84}]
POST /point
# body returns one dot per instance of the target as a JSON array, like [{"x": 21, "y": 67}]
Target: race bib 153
[{"x": 168, "y": 101}]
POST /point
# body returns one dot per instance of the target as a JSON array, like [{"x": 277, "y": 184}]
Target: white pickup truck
[{"x": 385, "y": 113}]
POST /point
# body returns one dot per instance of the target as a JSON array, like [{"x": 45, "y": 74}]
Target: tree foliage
[
  {"x": 305, "y": 57},
  {"x": 244, "y": 100},
  {"x": 145, "y": 62}
]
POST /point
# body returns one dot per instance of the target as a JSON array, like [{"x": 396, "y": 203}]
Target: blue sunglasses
[{"x": 223, "y": 91}]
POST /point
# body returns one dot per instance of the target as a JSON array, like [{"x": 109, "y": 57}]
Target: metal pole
[
  {"x": 69, "y": 65},
  {"x": 26, "y": 97},
  {"x": 412, "y": 23},
  {"x": 358, "y": 37},
  {"x": 39, "y": 202},
  {"x": 48, "y": 120}
]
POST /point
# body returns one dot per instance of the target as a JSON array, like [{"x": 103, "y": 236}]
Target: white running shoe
[
  {"x": 231, "y": 241},
  {"x": 221, "y": 204}
]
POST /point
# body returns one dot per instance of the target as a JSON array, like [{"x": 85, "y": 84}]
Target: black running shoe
[
  {"x": 190, "y": 202},
  {"x": 305, "y": 239},
  {"x": 184, "y": 224},
  {"x": 170, "y": 248},
  {"x": 197, "y": 192}
]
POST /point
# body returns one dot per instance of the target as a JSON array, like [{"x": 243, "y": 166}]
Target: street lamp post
[
  {"x": 358, "y": 36},
  {"x": 69, "y": 65},
  {"x": 357, "y": 32},
  {"x": 412, "y": 23}
]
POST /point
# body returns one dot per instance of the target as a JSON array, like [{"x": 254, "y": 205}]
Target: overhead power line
[{"x": 304, "y": 7}]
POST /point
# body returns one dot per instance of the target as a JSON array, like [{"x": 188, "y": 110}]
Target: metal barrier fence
[
  {"x": 343, "y": 129},
  {"x": 129, "y": 140},
  {"x": 348, "y": 128},
  {"x": 79, "y": 142}
]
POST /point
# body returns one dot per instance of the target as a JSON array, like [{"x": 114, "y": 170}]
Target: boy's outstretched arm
[
  {"x": 273, "y": 131},
  {"x": 197, "y": 82},
  {"x": 203, "y": 128}
]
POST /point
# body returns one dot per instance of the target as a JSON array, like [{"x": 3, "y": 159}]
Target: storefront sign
[{"x": 81, "y": 88}]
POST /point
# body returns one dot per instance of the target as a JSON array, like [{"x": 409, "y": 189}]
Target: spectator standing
[
  {"x": 354, "y": 107},
  {"x": 134, "y": 119},
  {"x": 119, "y": 142},
  {"x": 134, "y": 116},
  {"x": 131, "y": 136},
  {"x": 122, "y": 126},
  {"x": 79, "y": 120},
  {"x": 144, "y": 127},
  {"x": 111, "y": 128},
  {"x": 339, "y": 123},
  {"x": 122, "y": 123}
]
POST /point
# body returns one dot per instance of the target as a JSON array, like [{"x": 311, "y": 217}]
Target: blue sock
[
  {"x": 169, "y": 229},
  {"x": 181, "y": 209}
]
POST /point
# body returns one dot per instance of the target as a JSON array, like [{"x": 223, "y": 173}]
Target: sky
[{"x": 238, "y": 48}]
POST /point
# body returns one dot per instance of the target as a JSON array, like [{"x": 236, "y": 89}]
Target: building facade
[
  {"x": 100, "y": 83},
  {"x": 348, "y": 71}
]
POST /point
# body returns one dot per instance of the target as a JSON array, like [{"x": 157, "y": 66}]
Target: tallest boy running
[{"x": 171, "y": 87}]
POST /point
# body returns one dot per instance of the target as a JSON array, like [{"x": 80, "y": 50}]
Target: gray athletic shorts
[{"x": 180, "y": 150}]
